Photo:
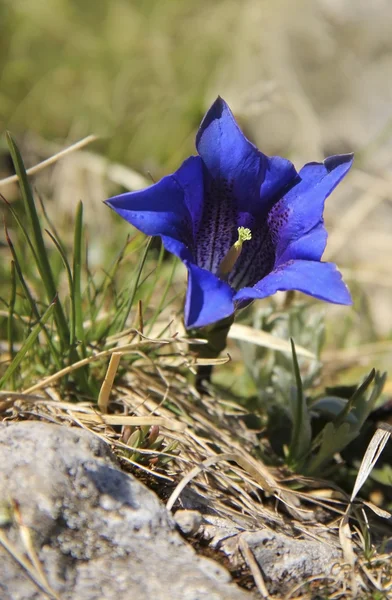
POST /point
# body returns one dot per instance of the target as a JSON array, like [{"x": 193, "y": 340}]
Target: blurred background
[{"x": 305, "y": 79}]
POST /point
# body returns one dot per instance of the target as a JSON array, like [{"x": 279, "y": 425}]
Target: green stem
[{"x": 216, "y": 336}]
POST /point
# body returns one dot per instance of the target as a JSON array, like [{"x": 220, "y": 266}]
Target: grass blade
[
  {"x": 31, "y": 338},
  {"x": 10, "y": 323},
  {"x": 60, "y": 248},
  {"x": 41, "y": 253},
  {"x": 21, "y": 227},
  {"x": 351, "y": 403},
  {"x": 30, "y": 299},
  {"x": 131, "y": 299},
  {"x": 371, "y": 456},
  {"x": 301, "y": 435},
  {"x": 98, "y": 299},
  {"x": 50, "y": 223},
  {"x": 157, "y": 272},
  {"x": 160, "y": 306},
  {"x": 76, "y": 293},
  {"x": 264, "y": 339}
]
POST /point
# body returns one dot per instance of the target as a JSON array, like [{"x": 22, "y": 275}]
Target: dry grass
[{"x": 214, "y": 464}]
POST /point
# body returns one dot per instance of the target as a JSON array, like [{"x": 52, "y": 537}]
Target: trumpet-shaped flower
[{"x": 244, "y": 224}]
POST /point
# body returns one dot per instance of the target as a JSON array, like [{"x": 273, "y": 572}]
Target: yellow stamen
[{"x": 227, "y": 264}]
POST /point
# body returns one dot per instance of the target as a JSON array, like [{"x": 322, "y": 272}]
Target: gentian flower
[{"x": 244, "y": 224}]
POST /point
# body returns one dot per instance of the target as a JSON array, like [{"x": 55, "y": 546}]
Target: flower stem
[{"x": 216, "y": 336}]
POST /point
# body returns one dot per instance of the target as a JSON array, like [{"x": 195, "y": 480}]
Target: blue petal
[
  {"x": 301, "y": 208},
  {"x": 230, "y": 157},
  {"x": 208, "y": 299},
  {"x": 169, "y": 207},
  {"x": 309, "y": 246},
  {"x": 177, "y": 248},
  {"x": 318, "y": 279},
  {"x": 241, "y": 184}
]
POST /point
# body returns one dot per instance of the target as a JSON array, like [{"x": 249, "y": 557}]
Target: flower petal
[
  {"x": 301, "y": 208},
  {"x": 230, "y": 157},
  {"x": 309, "y": 246},
  {"x": 318, "y": 279},
  {"x": 208, "y": 298},
  {"x": 177, "y": 248},
  {"x": 169, "y": 207},
  {"x": 240, "y": 184}
]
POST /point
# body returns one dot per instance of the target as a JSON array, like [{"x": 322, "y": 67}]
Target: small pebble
[{"x": 188, "y": 521}]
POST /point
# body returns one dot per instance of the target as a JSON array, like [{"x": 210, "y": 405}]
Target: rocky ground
[{"x": 73, "y": 525}]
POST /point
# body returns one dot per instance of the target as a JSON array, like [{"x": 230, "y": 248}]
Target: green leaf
[
  {"x": 347, "y": 419},
  {"x": 356, "y": 397},
  {"x": 333, "y": 439},
  {"x": 363, "y": 406},
  {"x": 330, "y": 407},
  {"x": 302, "y": 431}
]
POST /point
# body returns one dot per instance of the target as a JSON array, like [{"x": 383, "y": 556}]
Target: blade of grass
[
  {"x": 173, "y": 302},
  {"x": 353, "y": 400},
  {"x": 30, "y": 299},
  {"x": 125, "y": 302},
  {"x": 76, "y": 294},
  {"x": 363, "y": 409},
  {"x": 91, "y": 291},
  {"x": 22, "y": 228},
  {"x": 43, "y": 264},
  {"x": 301, "y": 435},
  {"x": 132, "y": 295},
  {"x": 107, "y": 326},
  {"x": 60, "y": 248},
  {"x": 100, "y": 295},
  {"x": 371, "y": 456},
  {"x": 163, "y": 298},
  {"x": 10, "y": 322},
  {"x": 31, "y": 338},
  {"x": 52, "y": 160},
  {"x": 50, "y": 222},
  {"x": 259, "y": 337},
  {"x": 147, "y": 297}
]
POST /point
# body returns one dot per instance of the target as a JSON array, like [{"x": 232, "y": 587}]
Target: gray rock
[
  {"x": 286, "y": 561},
  {"x": 188, "y": 521},
  {"x": 97, "y": 532}
]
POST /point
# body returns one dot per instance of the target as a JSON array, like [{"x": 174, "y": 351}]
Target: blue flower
[{"x": 245, "y": 225}]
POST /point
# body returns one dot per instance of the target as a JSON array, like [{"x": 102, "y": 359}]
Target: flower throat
[{"x": 228, "y": 262}]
